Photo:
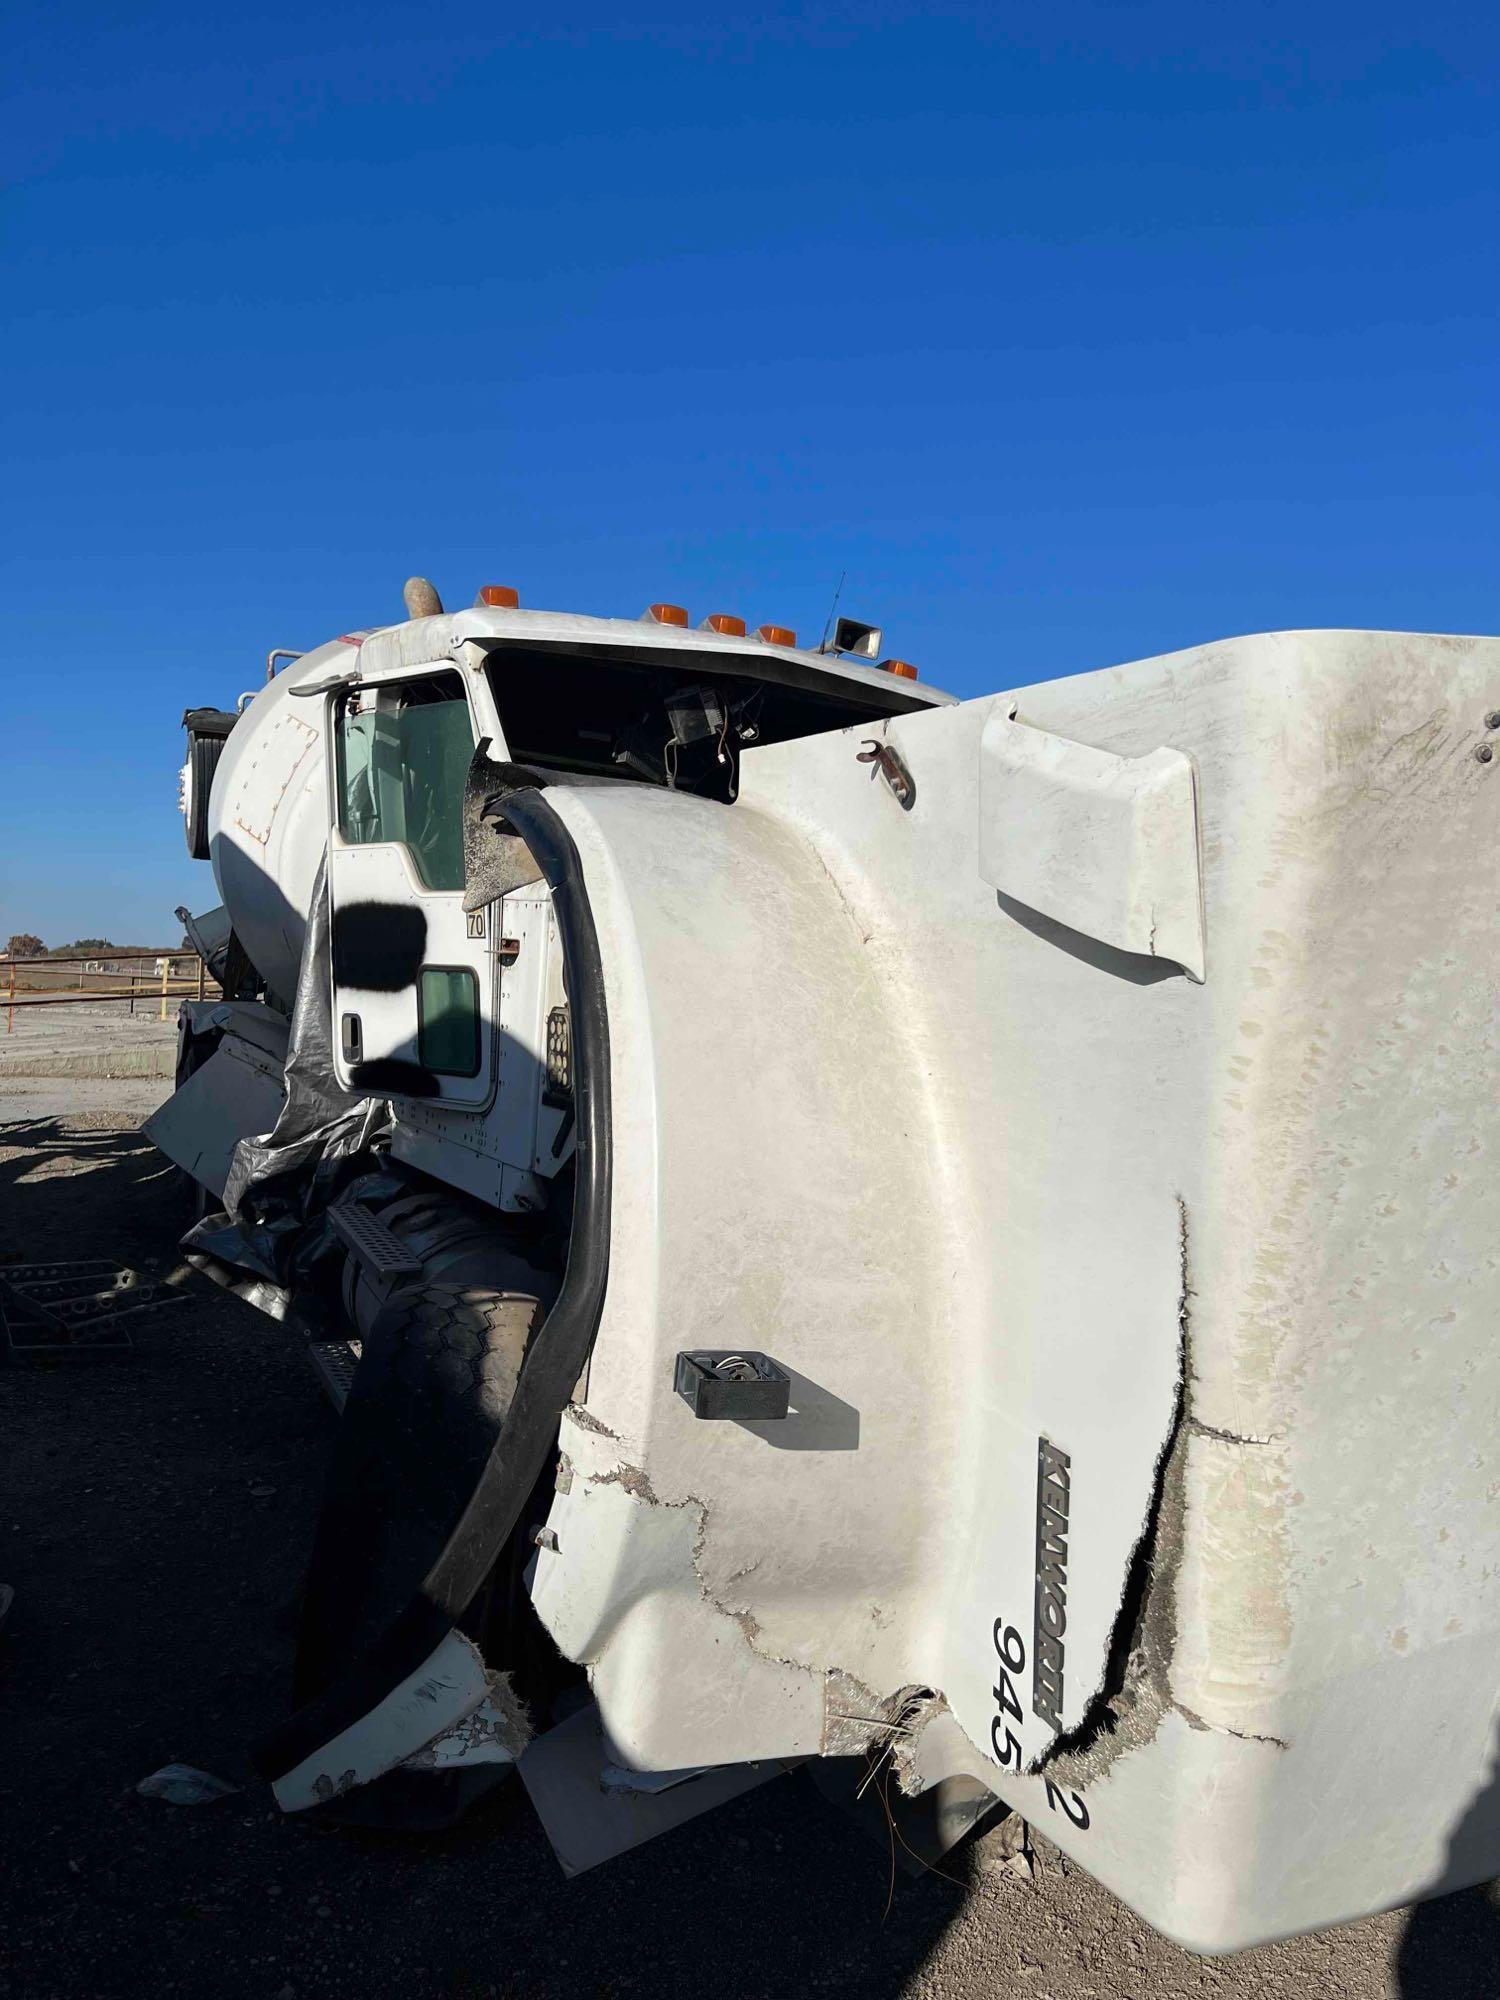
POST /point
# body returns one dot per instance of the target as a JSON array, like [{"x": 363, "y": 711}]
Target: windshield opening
[{"x": 682, "y": 722}]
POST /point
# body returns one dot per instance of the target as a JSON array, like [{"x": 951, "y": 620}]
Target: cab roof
[{"x": 648, "y": 642}]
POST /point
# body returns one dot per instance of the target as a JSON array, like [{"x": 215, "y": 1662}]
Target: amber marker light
[
  {"x": 667, "y": 614},
  {"x": 902, "y": 668},
  {"x": 499, "y": 597},
  {"x": 776, "y": 635},
  {"x": 720, "y": 621}
]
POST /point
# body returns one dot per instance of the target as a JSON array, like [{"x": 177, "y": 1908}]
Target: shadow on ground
[
  {"x": 157, "y": 1514},
  {"x": 1451, "y": 1946}
]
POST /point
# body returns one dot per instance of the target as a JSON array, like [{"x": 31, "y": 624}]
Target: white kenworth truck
[{"x": 958, "y": 1239}]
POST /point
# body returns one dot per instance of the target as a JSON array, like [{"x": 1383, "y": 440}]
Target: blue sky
[{"x": 1073, "y": 334}]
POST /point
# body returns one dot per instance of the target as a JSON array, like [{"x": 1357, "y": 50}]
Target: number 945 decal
[{"x": 1010, "y": 1649}]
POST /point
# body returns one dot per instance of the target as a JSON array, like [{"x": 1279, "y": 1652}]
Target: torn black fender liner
[
  {"x": 497, "y": 860},
  {"x": 557, "y": 1354}
]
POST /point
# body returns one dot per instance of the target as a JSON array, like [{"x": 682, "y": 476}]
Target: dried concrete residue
[{"x": 1135, "y": 1692}]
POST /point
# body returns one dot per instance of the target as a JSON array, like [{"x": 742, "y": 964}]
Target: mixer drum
[{"x": 268, "y": 816}]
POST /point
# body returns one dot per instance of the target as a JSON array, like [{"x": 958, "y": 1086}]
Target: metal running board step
[
  {"x": 70, "y": 1271},
  {"x": 334, "y": 1363},
  {"x": 73, "y": 1306},
  {"x": 379, "y": 1249}
]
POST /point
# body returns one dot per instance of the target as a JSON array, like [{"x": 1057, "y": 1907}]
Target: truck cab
[{"x": 948, "y": 1239}]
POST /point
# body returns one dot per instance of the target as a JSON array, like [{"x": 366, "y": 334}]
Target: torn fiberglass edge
[
  {"x": 1134, "y": 1691},
  {"x": 281, "y": 1183}
]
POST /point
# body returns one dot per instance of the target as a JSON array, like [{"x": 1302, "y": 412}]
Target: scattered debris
[
  {"x": 74, "y": 1306},
  {"x": 592, "y": 1811},
  {"x": 494, "y": 1733},
  {"x": 183, "y": 1785},
  {"x": 1006, "y": 1850}
]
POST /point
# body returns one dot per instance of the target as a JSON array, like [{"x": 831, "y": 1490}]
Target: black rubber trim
[
  {"x": 558, "y": 1352},
  {"x": 216, "y": 722},
  {"x": 864, "y": 699}
]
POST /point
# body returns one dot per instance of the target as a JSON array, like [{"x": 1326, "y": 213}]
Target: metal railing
[{"x": 172, "y": 975}]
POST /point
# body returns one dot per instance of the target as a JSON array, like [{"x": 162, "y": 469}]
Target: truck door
[{"x": 414, "y": 1003}]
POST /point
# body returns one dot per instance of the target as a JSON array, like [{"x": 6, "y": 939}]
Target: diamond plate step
[
  {"x": 334, "y": 1363},
  {"x": 73, "y": 1306},
  {"x": 382, "y": 1253}
]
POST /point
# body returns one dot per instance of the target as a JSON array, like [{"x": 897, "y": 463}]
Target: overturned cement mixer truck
[{"x": 949, "y": 1239}]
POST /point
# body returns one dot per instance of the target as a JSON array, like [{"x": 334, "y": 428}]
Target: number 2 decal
[
  {"x": 1010, "y": 1651},
  {"x": 1071, "y": 1804}
]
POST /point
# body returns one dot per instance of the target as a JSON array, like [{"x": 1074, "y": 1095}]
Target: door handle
[{"x": 353, "y": 1038}]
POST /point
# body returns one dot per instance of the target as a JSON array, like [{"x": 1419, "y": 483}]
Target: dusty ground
[
  {"x": 152, "y": 1567},
  {"x": 105, "y": 1039}
]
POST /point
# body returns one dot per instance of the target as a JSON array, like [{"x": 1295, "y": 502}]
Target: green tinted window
[
  {"x": 448, "y": 1020},
  {"x": 404, "y": 752}
]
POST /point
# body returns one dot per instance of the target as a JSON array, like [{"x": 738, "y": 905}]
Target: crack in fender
[
  {"x": 1200, "y": 1429},
  {"x": 854, "y": 1716},
  {"x": 1126, "y": 1708},
  {"x": 1134, "y": 1694}
]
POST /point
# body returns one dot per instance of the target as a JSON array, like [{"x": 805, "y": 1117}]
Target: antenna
[{"x": 828, "y": 623}]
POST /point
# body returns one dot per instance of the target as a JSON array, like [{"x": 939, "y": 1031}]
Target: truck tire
[
  {"x": 203, "y": 753},
  {"x": 438, "y": 1369}
]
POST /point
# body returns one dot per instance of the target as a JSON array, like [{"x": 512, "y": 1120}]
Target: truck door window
[
  {"x": 403, "y": 754},
  {"x": 448, "y": 1020}
]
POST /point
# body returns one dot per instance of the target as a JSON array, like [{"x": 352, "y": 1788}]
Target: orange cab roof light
[
  {"x": 499, "y": 597},
  {"x": 903, "y": 668},
  {"x": 720, "y": 621},
  {"x": 667, "y": 614},
  {"x": 776, "y": 635}
]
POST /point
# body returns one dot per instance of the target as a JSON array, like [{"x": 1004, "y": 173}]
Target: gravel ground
[
  {"x": 154, "y": 1517},
  {"x": 59, "y": 1042}
]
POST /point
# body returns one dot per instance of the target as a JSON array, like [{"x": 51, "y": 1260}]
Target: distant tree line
[{"x": 23, "y": 944}]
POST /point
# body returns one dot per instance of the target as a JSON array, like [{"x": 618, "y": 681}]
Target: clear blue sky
[{"x": 1072, "y": 333}]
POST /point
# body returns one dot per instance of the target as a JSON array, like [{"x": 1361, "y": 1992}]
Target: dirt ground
[
  {"x": 155, "y": 1513},
  {"x": 103, "y": 1040}
]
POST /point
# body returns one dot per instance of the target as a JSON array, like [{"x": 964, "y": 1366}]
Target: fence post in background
[
  {"x": 202, "y": 972},
  {"x": 166, "y": 974},
  {"x": 10, "y": 1012}
]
